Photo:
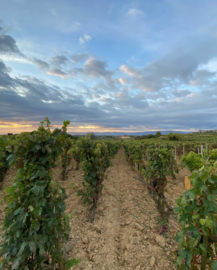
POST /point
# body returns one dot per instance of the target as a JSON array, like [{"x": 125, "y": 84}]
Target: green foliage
[
  {"x": 113, "y": 147},
  {"x": 158, "y": 134},
  {"x": 65, "y": 157},
  {"x": 160, "y": 164},
  {"x": 76, "y": 152},
  {"x": 35, "y": 224},
  {"x": 92, "y": 135},
  {"x": 134, "y": 154},
  {"x": 159, "y": 160},
  {"x": 4, "y": 166},
  {"x": 174, "y": 136},
  {"x": 192, "y": 160},
  {"x": 212, "y": 156},
  {"x": 95, "y": 160},
  {"x": 149, "y": 136},
  {"x": 197, "y": 211},
  {"x": 3, "y": 142}
]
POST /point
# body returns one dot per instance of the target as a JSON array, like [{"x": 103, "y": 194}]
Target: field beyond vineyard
[{"x": 128, "y": 231}]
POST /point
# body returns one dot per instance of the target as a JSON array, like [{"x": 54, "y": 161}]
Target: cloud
[
  {"x": 171, "y": 92},
  {"x": 79, "y": 57},
  {"x": 180, "y": 66},
  {"x": 55, "y": 66},
  {"x": 53, "y": 11},
  {"x": 3, "y": 68},
  {"x": 123, "y": 81},
  {"x": 57, "y": 72},
  {"x": 100, "y": 88},
  {"x": 133, "y": 72},
  {"x": 85, "y": 38},
  {"x": 125, "y": 100},
  {"x": 4, "y": 77},
  {"x": 8, "y": 45},
  {"x": 98, "y": 69},
  {"x": 59, "y": 60},
  {"x": 201, "y": 77},
  {"x": 180, "y": 93},
  {"x": 40, "y": 64},
  {"x": 182, "y": 62},
  {"x": 92, "y": 67},
  {"x": 76, "y": 71},
  {"x": 135, "y": 13},
  {"x": 29, "y": 99}
]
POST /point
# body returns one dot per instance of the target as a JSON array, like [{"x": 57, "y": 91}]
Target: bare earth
[{"x": 125, "y": 234}]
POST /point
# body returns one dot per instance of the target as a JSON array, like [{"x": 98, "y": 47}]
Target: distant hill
[{"x": 128, "y": 133}]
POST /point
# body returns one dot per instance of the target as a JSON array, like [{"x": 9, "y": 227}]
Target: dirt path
[{"x": 126, "y": 231}]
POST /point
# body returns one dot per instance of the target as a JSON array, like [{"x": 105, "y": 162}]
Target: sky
[{"x": 108, "y": 66}]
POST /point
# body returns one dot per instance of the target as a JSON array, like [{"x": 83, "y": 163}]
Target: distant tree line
[{"x": 149, "y": 136}]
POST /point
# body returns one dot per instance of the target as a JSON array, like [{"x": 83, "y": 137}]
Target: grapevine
[
  {"x": 197, "y": 211},
  {"x": 155, "y": 172},
  {"x": 4, "y": 166},
  {"x": 95, "y": 160},
  {"x": 35, "y": 224}
]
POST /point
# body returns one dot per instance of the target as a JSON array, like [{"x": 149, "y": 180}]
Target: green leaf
[
  {"x": 72, "y": 262},
  {"x": 19, "y": 211},
  {"x": 48, "y": 148},
  {"x": 2, "y": 266},
  {"x": 11, "y": 159},
  {"x": 214, "y": 265},
  {"x": 180, "y": 237},
  {"x": 41, "y": 249},
  {"x": 36, "y": 190},
  {"x": 186, "y": 254},
  {"x": 179, "y": 260},
  {"x": 196, "y": 216},
  {"x": 25, "y": 217},
  {"x": 190, "y": 193},
  {"x": 24, "y": 244},
  {"x": 31, "y": 138},
  {"x": 16, "y": 263},
  {"x": 18, "y": 232},
  {"x": 209, "y": 223},
  {"x": 32, "y": 247},
  {"x": 31, "y": 208},
  {"x": 202, "y": 222}
]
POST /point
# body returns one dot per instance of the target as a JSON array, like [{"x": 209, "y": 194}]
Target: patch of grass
[
  {"x": 73, "y": 186},
  {"x": 163, "y": 222}
]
